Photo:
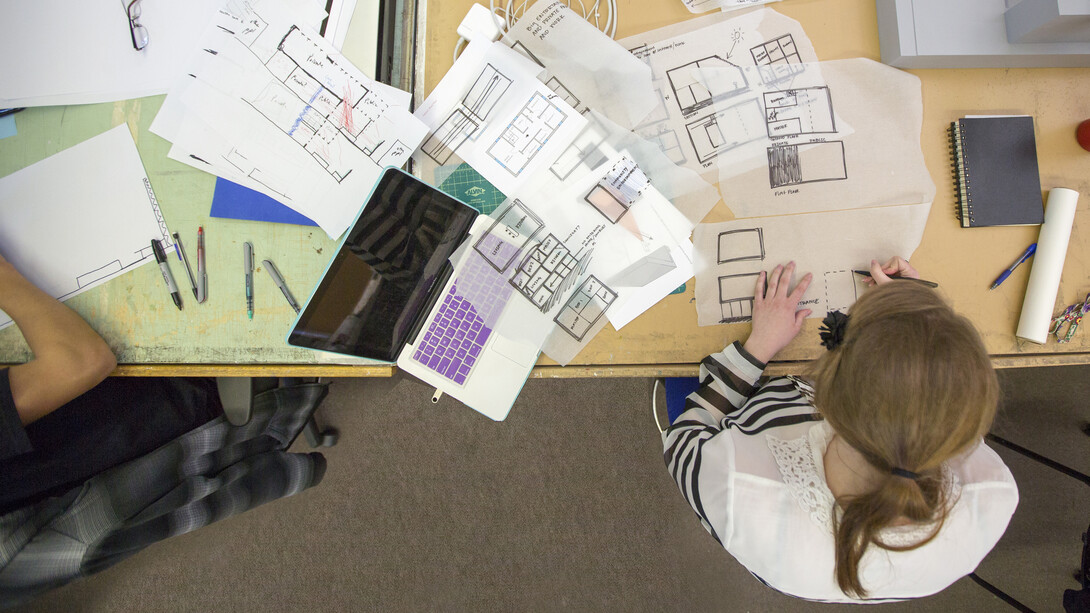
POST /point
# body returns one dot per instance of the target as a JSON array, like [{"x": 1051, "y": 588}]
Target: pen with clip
[
  {"x": 202, "y": 276},
  {"x": 866, "y": 273},
  {"x": 1006, "y": 273},
  {"x": 168, "y": 278},
  {"x": 179, "y": 250},
  {"x": 278, "y": 279},
  {"x": 248, "y": 262}
]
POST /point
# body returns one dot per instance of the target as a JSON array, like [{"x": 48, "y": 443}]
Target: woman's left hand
[{"x": 776, "y": 320}]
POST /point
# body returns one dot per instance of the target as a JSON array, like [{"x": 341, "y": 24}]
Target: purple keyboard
[{"x": 461, "y": 326}]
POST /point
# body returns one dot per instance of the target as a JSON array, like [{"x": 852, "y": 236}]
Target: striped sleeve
[{"x": 727, "y": 380}]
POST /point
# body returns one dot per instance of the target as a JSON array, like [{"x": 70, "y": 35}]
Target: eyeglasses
[{"x": 136, "y": 29}]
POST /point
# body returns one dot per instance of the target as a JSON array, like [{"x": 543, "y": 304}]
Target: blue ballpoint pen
[{"x": 1006, "y": 273}]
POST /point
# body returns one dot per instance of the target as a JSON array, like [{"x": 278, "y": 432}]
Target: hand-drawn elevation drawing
[
  {"x": 793, "y": 112},
  {"x": 694, "y": 89},
  {"x": 728, "y": 128},
  {"x": 841, "y": 290},
  {"x": 585, "y": 151},
  {"x": 511, "y": 231},
  {"x": 547, "y": 271},
  {"x": 777, "y": 59},
  {"x": 741, "y": 245},
  {"x": 618, "y": 189},
  {"x": 463, "y": 122},
  {"x": 321, "y": 107},
  {"x": 736, "y": 295},
  {"x": 585, "y": 307},
  {"x": 806, "y": 163},
  {"x": 527, "y": 134}
]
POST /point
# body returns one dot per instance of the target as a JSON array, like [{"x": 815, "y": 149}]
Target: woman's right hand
[{"x": 895, "y": 267}]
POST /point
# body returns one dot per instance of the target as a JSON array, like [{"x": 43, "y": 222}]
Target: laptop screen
[{"x": 378, "y": 282}]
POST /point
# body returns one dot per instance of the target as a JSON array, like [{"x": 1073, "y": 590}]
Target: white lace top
[{"x": 750, "y": 462}]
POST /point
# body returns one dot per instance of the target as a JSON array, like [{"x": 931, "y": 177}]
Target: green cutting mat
[{"x": 470, "y": 187}]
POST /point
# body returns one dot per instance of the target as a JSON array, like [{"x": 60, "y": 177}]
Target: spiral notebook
[{"x": 996, "y": 181}]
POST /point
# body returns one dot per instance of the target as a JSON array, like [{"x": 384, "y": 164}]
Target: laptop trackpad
[{"x": 523, "y": 354}]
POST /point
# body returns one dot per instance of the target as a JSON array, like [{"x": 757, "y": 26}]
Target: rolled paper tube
[{"x": 1048, "y": 265}]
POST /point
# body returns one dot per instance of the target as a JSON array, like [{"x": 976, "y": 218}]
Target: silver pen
[
  {"x": 248, "y": 264},
  {"x": 202, "y": 275},
  {"x": 279, "y": 281},
  {"x": 180, "y": 250}
]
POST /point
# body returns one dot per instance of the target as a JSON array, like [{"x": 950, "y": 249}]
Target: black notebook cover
[{"x": 995, "y": 172}]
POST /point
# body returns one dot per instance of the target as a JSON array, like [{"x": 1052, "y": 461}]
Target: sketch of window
[
  {"x": 511, "y": 231},
  {"x": 585, "y": 307},
  {"x": 793, "y": 112},
  {"x": 441, "y": 144},
  {"x": 741, "y": 245},
  {"x": 585, "y": 151},
  {"x": 736, "y": 297},
  {"x": 618, "y": 189},
  {"x": 806, "y": 163},
  {"x": 777, "y": 59},
  {"x": 695, "y": 89},
  {"x": 728, "y": 128},
  {"x": 841, "y": 290},
  {"x": 547, "y": 271},
  {"x": 527, "y": 134}
]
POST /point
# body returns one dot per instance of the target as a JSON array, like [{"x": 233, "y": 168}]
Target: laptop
[{"x": 391, "y": 293}]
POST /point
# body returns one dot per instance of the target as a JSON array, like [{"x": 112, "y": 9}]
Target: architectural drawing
[
  {"x": 695, "y": 89},
  {"x": 527, "y": 133},
  {"x": 806, "y": 163},
  {"x": 728, "y": 128},
  {"x": 554, "y": 84},
  {"x": 547, "y": 272},
  {"x": 777, "y": 59},
  {"x": 585, "y": 152},
  {"x": 586, "y": 306},
  {"x": 741, "y": 245},
  {"x": 841, "y": 289},
  {"x": 511, "y": 231},
  {"x": 441, "y": 144},
  {"x": 618, "y": 190},
  {"x": 462, "y": 124},
  {"x": 736, "y": 295},
  {"x": 794, "y": 112}
]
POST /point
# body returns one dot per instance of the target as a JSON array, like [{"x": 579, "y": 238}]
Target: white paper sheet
[
  {"x": 81, "y": 217},
  {"x": 703, "y": 6},
  {"x": 492, "y": 111},
  {"x": 729, "y": 256}
]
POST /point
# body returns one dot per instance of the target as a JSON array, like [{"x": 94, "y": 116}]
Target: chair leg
[{"x": 319, "y": 438}]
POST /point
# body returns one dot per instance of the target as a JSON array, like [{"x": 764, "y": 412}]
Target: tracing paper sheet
[
  {"x": 588, "y": 69},
  {"x": 703, "y": 6},
  {"x": 730, "y": 255}
]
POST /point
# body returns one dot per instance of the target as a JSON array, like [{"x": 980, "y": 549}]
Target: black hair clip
[{"x": 832, "y": 329}]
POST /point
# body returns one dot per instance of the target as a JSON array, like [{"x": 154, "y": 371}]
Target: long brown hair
[{"x": 910, "y": 387}]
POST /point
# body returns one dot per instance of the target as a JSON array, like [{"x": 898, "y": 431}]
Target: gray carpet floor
[{"x": 564, "y": 506}]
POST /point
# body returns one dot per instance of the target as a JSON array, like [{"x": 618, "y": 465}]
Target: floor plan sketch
[
  {"x": 586, "y": 306},
  {"x": 841, "y": 290},
  {"x": 441, "y": 144},
  {"x": 736, "y": 295},
  {"x": 547, "y": 272},
  {"x": 554, "y": 84},
  {"x": 795, "y": 112},
  {"x": 806, "y": 163},
  {"x": 527, "y": 133},
  {"x": 777, "y": 59},
  {"x": 618, "y": 190},
  {"x": 486, "y": 92},
  {"x": 464, "y": 121},
  {"x": 585, "y": 151},
  {"x": 727, "y": 129},
  {"x": 509, "y": 234},
  {"x": 695, "y": 89},
  {"x": 741, "y": 245}
]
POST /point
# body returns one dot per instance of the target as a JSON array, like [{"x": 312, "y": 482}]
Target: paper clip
[{"x": 1072, "y": 316}]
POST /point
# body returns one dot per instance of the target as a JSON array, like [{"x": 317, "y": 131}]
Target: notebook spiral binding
[{"x": 964, "y": 206}]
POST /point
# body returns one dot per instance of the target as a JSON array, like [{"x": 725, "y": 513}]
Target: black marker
[{"x": 167, "y": 277}]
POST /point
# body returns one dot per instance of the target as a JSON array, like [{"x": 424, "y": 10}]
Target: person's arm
[
  {"x": 895, "y": 267},
  {"x": 69, "y": 357}
]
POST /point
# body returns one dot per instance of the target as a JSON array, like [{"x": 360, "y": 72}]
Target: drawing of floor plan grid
[
  {"x": 806, "y": 163},
  {"x": 527, "y": 133},
  {"x": 547, "y": 272},
  {"x": 726, "y": 129},
  {"x": 330, "y": 125},
  {"x": 741, "y": 245},
  {"x": 487, "y": 90},
  {"x": 736, "y": 295},
  {"x": 793, "y": 112},
  {"x": 777, "y": 59},
  {"x": 441, "y": 144},
  {"x": 694, "y": 89},
  {"x": 511, "y": 231},
  {"x": 586, "y": 306},
  {"x": 464, "y": 121}
]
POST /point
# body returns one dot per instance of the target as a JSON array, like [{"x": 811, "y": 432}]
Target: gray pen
[
  {"x": 179, "y": 249},
  {"x": 279, "y": 281},
  {"x": 248, "y": 264}
]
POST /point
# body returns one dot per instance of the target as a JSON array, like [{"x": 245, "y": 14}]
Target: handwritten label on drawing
[{"x": 548, "y": 19}]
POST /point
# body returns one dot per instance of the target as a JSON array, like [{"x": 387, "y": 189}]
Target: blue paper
[
  {"x": 7, "y": 126},
  {"x": 233, "y": 201}
]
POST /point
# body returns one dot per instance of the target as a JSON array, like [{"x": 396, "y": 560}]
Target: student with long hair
[{"x": 867, "y": 481}]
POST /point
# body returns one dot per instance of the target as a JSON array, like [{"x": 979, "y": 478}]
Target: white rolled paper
[{"x": 1048, "y": 265}]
